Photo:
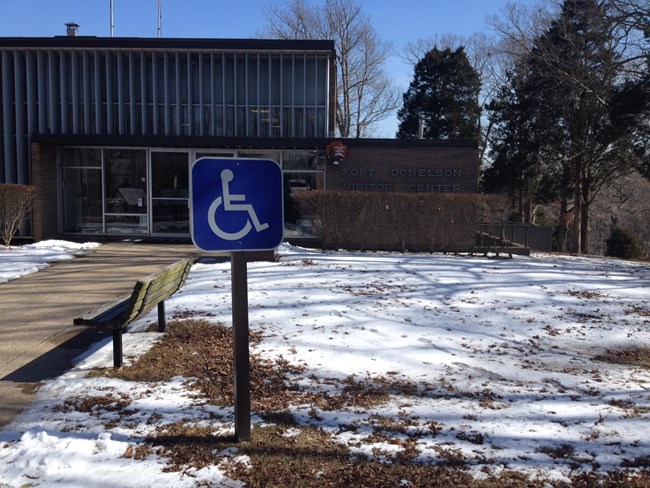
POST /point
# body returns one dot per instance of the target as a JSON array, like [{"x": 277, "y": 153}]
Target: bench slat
[
  {"x": 147, "y": 293},
  {"x": 137, "y": 299},
  {"x": 105, "y": 316},
  {"x": 159, "y": 289}
]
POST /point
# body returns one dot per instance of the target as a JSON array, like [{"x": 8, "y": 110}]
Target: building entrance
[
  {"x": 170, "y": 215},
  {"x": 141, "y": 192},
  {"x": 125, "y": 181}
]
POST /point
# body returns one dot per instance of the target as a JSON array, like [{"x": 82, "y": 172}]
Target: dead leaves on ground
[{"x": 285, "y": 452}]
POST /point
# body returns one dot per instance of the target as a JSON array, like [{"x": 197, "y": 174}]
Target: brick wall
[{"x": 408, "y": 169}]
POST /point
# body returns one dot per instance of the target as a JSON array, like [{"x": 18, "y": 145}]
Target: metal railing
[{"x": 507, "y": 234}]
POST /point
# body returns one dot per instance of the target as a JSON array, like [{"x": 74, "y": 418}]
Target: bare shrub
[
  {"x": 624, "y": 202},
  {"x": 15, "y": 205},
  {"x": 493, "y": 208}
]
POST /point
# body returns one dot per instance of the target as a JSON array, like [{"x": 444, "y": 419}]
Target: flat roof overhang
[
  {"x": 181, "y": 141},
  {"x": 165, "y": 44},
  {"x": 242, "y": 142}
]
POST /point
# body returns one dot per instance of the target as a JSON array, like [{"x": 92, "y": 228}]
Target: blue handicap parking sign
[{"x": 236, "y": 204}]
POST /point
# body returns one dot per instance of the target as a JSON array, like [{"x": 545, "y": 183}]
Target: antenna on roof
[
  {"x": 159, "y": 20},
  {"x": 112, "y": 26}
]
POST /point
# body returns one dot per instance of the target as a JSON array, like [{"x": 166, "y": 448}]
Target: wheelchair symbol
[{"x": 229, "y": 206}]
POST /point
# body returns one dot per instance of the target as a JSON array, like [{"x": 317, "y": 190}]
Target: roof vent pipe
[{"x": 72, "y": 29}]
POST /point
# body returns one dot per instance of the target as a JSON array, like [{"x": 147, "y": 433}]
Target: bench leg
[
  {"x": 117, "y": 348},
  {"x": 161, "y": 316}
]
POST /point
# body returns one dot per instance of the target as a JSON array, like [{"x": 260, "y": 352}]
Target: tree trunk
[
  {"x": 528, "y": 203},
  {"x": 586, "y": 190},
  {"x": 562, "y": 233},
  {"x": 577, "y": 208}
]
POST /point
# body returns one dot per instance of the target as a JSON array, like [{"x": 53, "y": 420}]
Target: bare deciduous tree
[
  {"x": 520, "y": 25},
  {"x": 588, "y": 58},
  {"x": 366, "y": 95},
  {"x": 624, "y": 202}
]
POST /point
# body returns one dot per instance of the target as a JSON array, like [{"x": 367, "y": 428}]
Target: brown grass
[
  {"x": 638, "y": 356},
  {"x": 202, "y": 351},
  {"x": 285, "y": 453}
]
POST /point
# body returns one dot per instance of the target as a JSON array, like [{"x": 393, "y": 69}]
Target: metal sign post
[
  {"x": 236, "y": 205},
  {"x": 239, "y": 280}
]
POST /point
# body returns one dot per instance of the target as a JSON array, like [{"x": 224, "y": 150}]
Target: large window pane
[
  {"x": 170, "y": 192},
  {"x": 169, "y": 175},
  {"x": 126, "y": 182},
  {"x": 82, "y": 201}
]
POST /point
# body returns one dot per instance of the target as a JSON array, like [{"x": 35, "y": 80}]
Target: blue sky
[{"x": 395, "y": 21}]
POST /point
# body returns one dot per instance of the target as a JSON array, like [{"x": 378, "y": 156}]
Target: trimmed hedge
[{"x": 398, "y": 221}]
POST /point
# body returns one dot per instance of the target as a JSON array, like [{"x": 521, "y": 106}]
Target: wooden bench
[{"x": 147, "y": 293}]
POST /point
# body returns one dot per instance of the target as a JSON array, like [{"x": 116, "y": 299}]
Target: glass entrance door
[
  {"x": 170, "y": 215},
  {"x": 125, "y": 183}
]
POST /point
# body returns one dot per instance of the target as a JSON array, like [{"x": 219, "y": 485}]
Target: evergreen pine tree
[{"x": 444, "y": 94}]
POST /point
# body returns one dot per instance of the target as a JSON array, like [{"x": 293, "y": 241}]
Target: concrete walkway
[{"x": 37, "y": 338}]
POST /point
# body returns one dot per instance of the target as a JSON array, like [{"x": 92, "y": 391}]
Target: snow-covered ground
[
  {"x": 507, "y": 354},
  {"x": 18, "y": 261}
]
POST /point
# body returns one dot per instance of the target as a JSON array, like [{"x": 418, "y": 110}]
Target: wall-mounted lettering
[
  {"x": 406, "y": 169},
  {"x": 435, "y": 188},
  {"x": 359, "y": 172},
  {"x": 367, "y": 187},
  {"x": 425, "y": 173}
]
